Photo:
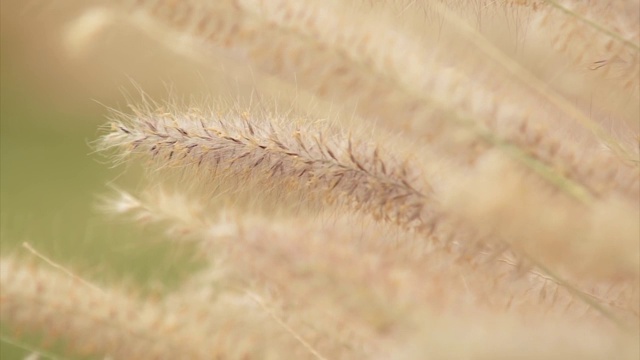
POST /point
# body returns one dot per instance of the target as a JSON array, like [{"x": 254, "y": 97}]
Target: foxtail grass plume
[{"x": 474, "y": 196}]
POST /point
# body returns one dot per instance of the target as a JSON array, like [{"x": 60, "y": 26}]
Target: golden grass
[{"x": 476, "y": 195}]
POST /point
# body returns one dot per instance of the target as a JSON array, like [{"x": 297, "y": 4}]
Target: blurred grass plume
[{"x": 464, "y": 182}]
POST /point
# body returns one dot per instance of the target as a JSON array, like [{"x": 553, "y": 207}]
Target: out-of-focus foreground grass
[{"x": 52, "y": 106}]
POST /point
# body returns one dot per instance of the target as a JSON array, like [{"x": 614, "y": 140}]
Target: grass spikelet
[
  {"x": 358, "y": 263},
  {"x": 566, "y": 229},
  {"x": 285, "y": 162},
  {"x": 395, "y": 88},
  {"x": 114, "y": 323},
  {"x": 326, "y": 167}
]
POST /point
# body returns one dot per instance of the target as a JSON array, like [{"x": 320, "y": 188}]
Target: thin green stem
[
  {"x": 586, "y": 298},
  {"x": 27, "y": 347}
]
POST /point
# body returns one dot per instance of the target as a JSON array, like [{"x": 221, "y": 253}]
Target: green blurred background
[{"x": 52, "y": 105}]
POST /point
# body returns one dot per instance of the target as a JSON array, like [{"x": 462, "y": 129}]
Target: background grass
[
  {"x": 52, "y": 105},
  {"x": 50, "y": 181}
]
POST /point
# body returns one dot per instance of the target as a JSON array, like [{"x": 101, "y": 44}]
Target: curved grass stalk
[
  {"x": 27, "y": 347},
  {"x": 293, "y": 163},
  {"x": 538, "y": 86},
  {"x": 114, "y": 323},
  {"x": 252, "y": 243},
  {"x": 327, "y": 169},
  {"x": 35, "y": 298},
  {"x": 586, "y": 298},
  {"x": 600, "y": 28},
  {"x": 379, "y": 89}
]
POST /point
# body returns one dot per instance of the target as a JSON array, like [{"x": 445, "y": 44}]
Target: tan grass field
[{"x": 279, "y": 179}]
